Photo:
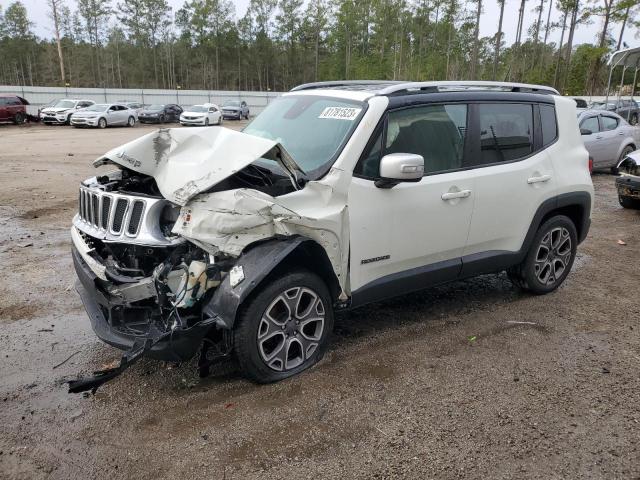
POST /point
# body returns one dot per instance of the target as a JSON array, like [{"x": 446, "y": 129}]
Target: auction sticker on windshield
[{"x": 341, "y": 113}]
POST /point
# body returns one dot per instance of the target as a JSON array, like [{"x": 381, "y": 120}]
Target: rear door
[
  {"x": 513, "y": 176},
  {"x": 611, "y": 139}
]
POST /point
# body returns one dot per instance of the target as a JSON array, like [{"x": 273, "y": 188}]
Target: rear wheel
[
  {"x": 634, "y": 119},
  {"x": 284, "y": 328},
  {"x": 161, "y": 119},
  {"x": 626, "y": 151},
  {"x": 549, "y": 259},
  {"x": 102, "y": 123}
]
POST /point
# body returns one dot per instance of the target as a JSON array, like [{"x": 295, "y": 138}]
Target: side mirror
[
  {"x": 400, "y": 167},
  {"x": 585, "y": 131}
]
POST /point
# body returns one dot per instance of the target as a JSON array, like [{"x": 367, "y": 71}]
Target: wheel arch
[
  {"x": 575, "y": 205},
  {"x": 263, "y": 261}
]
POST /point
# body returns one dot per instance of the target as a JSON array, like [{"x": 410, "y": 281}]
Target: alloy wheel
[
  {"x": 553, "y": 256},
  {"x": 291, "y": 328}
]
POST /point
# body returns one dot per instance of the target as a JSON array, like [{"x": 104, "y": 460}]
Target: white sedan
[
  {"x": 104, "y": 115},
  {"x": 203, "y": 115}
]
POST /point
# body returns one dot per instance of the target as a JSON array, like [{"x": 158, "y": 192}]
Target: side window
[
  {"x": 549, "y": 124},
  {"x": 506, "y": 132},
  {"x": 113, "y": 108},
  {"x": 609, "y": 123},
  {"x": 437, "y": 132},
  {"x": 590, "y": 124},
  {"x": 3, "y": 101}
]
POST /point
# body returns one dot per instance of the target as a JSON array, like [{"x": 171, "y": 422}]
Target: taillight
[{"x": 590, "y": 164}]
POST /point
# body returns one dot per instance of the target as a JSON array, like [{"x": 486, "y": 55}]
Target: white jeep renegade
[{"x": 337, "y": 195}]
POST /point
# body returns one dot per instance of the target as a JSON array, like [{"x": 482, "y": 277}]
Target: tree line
[{"x": 278, "y": 44}]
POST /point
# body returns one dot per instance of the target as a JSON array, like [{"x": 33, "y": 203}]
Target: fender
[
  {"x": 256, "y": 264},
  {"x": 633, "y": 160}
]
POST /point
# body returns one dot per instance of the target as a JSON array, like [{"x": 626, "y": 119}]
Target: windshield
[
  {"x": 155, "y": 107},
  {"x": 232, "y": 103},
  {"x": 312, "y": 129},
  {"x": 99, "y": 107},
  {"x": 197, "y": 108},
  {"x": 65, "y": 104},
  {"x": 601, "y": 105}
]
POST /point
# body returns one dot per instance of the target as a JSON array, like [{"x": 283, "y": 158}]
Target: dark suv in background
[
  {"x": 160, "y": 113},
  {"x": 13, "y": 109}
]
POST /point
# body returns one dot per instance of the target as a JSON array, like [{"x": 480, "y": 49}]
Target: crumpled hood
[{"x": 185, "y": 162}]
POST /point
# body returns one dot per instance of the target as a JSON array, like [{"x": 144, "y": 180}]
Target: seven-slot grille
[{"x": 115, "y": 214}]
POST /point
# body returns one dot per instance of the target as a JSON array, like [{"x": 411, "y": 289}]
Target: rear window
[
  {"x": 609, "y": 123},
  {"x": 506, "y": 132}
]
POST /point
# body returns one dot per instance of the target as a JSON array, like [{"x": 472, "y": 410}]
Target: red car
[{"x": 13, "y": 109}]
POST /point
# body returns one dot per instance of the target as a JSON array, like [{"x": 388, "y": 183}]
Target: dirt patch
[
  {"x": 53, "y": 209},
  {"x": 17, "y": 311}
]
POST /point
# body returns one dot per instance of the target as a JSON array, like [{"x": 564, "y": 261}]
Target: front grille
[
  {"x": 110, "y": 212},
  {"x": 136, "y": 216},
  {"x": 118, "y": 217}
]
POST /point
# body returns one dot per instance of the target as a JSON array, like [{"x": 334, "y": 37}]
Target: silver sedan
[{"x": 607, "y": 137}]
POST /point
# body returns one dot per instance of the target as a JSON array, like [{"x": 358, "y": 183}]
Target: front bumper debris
[{"x": 628, "y": 186}]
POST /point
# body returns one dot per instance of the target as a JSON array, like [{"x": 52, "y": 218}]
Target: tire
[
  {"x": 102, "y": 123},
  {"x": 626, "y": 202},
  {"x": 220, "y": 121},
  {"x": 161, "y": 119},
  {"x": 634, "y": 119},
  {"x": 131, "y": 122},
  {"x": 206, "y": 122},
  {"x": 265, "y": 344},
  {"x": 542, "y": 273},
  {"x": 19, "y": 118}
]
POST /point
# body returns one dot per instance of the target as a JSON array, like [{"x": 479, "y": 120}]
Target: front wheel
[
  {"x": 161, "y": 119},
  {"x": 131, "y": 122},
  {"x": 206, "y": 122},
  {"x": 284, "y": 328},
  {"x": 102, "y": 123},
  {"x": 220, "y": 120},
  {"x": 549, "y": 259},
  {"x": 19, "y": 118}
]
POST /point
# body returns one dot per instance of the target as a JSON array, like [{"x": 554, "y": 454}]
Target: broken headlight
[{"x": 168, "y": 218}]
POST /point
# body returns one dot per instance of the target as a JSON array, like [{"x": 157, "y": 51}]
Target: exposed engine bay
[{"x": 152, "y": 246}]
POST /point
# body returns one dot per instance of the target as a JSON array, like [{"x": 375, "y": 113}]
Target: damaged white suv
[{"x": 337, "y": 195}]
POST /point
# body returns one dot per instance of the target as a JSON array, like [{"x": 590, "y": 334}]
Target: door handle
[
  {"x": 454, "y": 195},
  {"x": 599, "y": 137},
  {"x": 621, "y": 133},
  {"x": 540, "y": 179}
]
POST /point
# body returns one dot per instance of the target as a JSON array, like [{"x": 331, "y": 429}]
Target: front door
[
  {"x": 593, "y": 141},
  {"x": 413, "y": 235}
]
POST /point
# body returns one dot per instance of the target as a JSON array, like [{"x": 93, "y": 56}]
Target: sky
[{"x": 488, "y": 23}]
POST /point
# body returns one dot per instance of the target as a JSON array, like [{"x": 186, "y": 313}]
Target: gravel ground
[{"x": 469, "y": 380}]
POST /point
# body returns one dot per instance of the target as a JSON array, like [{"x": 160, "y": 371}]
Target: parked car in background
[
  {"x": 607, "y": 137},
  {"x": 59, "y": 113},
  {"x": 235, "y": 109},
  {"x": 628, "y": 183},
  {"x": 104, "y": 115},
  {"x": 13, "y": 109},
  {"x": 160, "y": 113},
  {"x": 627, "y": 109},
  {"x": 137, "y": 106},
  {"x": 203, "y": 115}
]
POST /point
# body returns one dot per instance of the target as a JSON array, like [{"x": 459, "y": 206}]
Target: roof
[
  {"x": 387, "y": 88},
  {"x": 629, "y": 57}
]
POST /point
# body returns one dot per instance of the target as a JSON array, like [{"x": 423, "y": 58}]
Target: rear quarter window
[{"x": 549, "y": 124}]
